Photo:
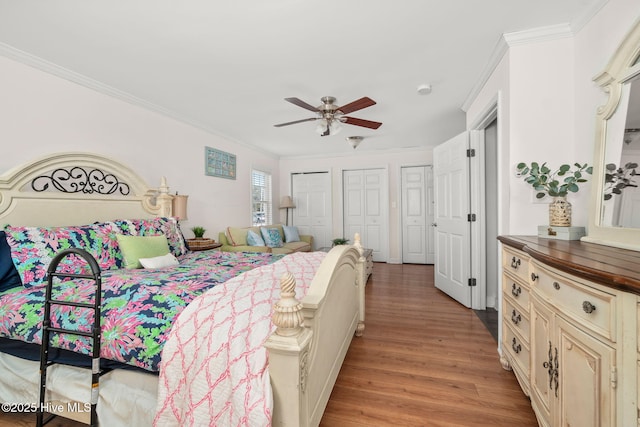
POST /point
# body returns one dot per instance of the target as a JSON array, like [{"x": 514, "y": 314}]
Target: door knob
[{"x": 433, "y": 224}]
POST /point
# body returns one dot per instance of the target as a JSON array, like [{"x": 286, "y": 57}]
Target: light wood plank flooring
[{"x": 424, "y": 360}]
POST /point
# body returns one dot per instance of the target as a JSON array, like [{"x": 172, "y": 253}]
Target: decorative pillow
[
  {"x": 291, "y": 233},
  {"x": 33, "y": 248},
  {"x": 9, "y": 277},
  {"x": 135, "y": 247},
  {"x": 153, "y": 227},
  {"x": 271, "y": 237},
  {"x": 237, "y": 236},
  {"x": 167, "y": 260},
  {"x": 254, "y": 239}
]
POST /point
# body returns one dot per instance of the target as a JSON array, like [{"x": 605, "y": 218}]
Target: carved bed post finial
[
  {"x": 164, "y": 199},
  {"x": 287, "y": 314}
]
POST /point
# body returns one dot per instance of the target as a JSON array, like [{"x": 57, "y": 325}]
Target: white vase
[{"x": 560, "y": 212}]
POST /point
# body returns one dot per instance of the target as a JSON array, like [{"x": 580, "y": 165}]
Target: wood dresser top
[{"x": 609, "y": 266}]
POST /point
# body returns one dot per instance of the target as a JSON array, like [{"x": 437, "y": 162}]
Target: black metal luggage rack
[{"x": 95, "y": 333}]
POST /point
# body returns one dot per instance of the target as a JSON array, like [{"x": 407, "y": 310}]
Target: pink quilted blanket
[{"x": 214, "y": 367}]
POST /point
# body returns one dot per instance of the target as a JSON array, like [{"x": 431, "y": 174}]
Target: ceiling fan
[{"x": 330, "y": 115}]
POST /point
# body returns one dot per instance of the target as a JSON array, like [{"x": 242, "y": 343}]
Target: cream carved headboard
[{"x": 77, "y": 188}]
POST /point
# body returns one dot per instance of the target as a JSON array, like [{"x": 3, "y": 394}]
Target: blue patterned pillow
[
  {"x": 33, "y": 248},
  {"x": 152, "y": 227},
  {"x": 254, "y": 239},
  {"x": 291, "y": 233},
  {"x": 271, "y": 237}
]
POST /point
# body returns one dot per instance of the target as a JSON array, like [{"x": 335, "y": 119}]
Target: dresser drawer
[
  {"x": 516, "y": 348},
  {"x": 590, "y": 307},
  {"x": 517, "y": 291},
  {"x": 515, "y": 262},
  {"x": 516, "y": 318}
]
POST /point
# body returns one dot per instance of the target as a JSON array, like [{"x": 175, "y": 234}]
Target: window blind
[{"x": 261, "y": 198}]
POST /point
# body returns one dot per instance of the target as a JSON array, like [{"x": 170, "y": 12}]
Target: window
[{"x": 261, "y": 207}]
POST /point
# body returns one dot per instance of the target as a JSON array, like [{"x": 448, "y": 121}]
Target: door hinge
[
  {"x": 472, "y": 281},
  {"x": 614, "y": 377},
  {"x": 471, "y": 217},
  {"x": 471, "y": 152}
]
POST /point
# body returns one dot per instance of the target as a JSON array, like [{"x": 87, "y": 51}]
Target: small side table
[{"x": 202, "y": 244}]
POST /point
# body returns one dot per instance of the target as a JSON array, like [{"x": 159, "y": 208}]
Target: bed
[{"x": 242, "y": 339}]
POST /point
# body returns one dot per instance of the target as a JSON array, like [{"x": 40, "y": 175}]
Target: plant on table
[
  {"x": 339, "y": 241},
  {"x": 198, "y": 231}
]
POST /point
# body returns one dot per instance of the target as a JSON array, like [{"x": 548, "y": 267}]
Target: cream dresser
[{"x": 570, "y": 316}]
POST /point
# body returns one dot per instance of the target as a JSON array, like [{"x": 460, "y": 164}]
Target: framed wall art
[{"x": 219, "y": 163}]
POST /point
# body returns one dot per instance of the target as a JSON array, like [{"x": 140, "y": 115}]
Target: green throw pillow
[{"x": 135, "y": 247}]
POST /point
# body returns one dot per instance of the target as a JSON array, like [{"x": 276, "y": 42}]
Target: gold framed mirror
[{"x": 614, "y": 214}]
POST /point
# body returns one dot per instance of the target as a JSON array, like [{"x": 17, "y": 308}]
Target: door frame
[{"x": 487, "y": 115}]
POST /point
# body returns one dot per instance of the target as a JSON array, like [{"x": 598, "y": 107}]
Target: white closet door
[
  {"x": 365, "y": 209},
  {"x": 311, "y": 193}
]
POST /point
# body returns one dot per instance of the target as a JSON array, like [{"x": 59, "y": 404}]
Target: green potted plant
[
  {"x": 617, "y": 179},
  {"x": 557, "y": 184},
  {"x": 198, "y": 231},
  {"x": 339, "y": 241}
]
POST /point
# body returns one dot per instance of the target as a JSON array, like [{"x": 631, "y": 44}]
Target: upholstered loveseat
[{"x": 234, "y": 239}]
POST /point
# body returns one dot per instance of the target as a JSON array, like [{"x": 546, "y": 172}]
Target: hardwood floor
[{"x": 424, "y": 360}]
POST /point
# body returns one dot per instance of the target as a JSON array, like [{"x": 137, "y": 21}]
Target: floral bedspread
[{"x": 138, "y": 306}]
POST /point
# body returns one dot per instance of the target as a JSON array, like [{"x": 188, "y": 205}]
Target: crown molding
[
  {"x": 507, "y": 40},
  {"x": 82, "y": 80}
]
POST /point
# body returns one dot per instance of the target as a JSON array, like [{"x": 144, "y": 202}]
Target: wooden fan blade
[
  {"x": 301, "y": 103},
  {"x": 357, "y": 105},
  {"x": 297, "y": 121},
  {"x": 361, "y": 122}
]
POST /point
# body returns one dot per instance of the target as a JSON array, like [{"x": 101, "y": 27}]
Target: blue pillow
[
  {"x": 291, "y": 233},
  {"x": 271, "y": 237},
  {"x": 253, "y": 239},
  {"x": 9, "y": 277}
]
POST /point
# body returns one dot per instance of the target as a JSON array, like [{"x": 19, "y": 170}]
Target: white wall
[
  {"x": 43, "y": 114},
  {"x": 392, "y": 161},
  {"x": 547, "y": 109}
]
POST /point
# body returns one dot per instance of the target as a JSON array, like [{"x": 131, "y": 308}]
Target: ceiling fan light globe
[{"x": 321, "y": 127}]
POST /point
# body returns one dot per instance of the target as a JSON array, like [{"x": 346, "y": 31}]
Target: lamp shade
[
  {"x": 286, "y": 202},
  {"x": 179, "y": 207}
]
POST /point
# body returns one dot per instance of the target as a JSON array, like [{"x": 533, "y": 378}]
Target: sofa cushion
[
  {"x": 272, "y": 237},
  {"x": 237, "y": 236},
  {"x": 291, "y": 233},
  {"x": 298, "y": 246},
  {"x": 254, "y": 239}
]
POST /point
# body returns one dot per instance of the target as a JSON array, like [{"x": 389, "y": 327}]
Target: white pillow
[{"x": 167, "y": 260}]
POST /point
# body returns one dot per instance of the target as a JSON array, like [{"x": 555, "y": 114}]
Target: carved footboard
[{"x": 315, "y": 335}]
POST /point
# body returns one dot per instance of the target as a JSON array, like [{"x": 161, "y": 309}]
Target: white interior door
[
  {"x": 452, "y": 231},
  {"x": 417, "y": 215},
  {"x": 365, "y": 209},
  {"x": 311, "y": 194}
]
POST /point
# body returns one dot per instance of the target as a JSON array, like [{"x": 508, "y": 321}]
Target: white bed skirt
[{"x": 127, "y": 398}]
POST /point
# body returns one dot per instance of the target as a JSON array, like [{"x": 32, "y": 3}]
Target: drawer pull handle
[
  {"x": 516, "y": 291},
  {"x": 588, "y": 307},
  {"x": 516, "y": 348},
  {"x": 556, "y": 286},
  {"x": 534, "y": 277},
  {"x": 515, "y": 317},
  {"x": 515, "y": 263}
]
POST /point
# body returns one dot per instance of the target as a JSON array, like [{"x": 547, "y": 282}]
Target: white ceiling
[{"x": 226, "y": 66}]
